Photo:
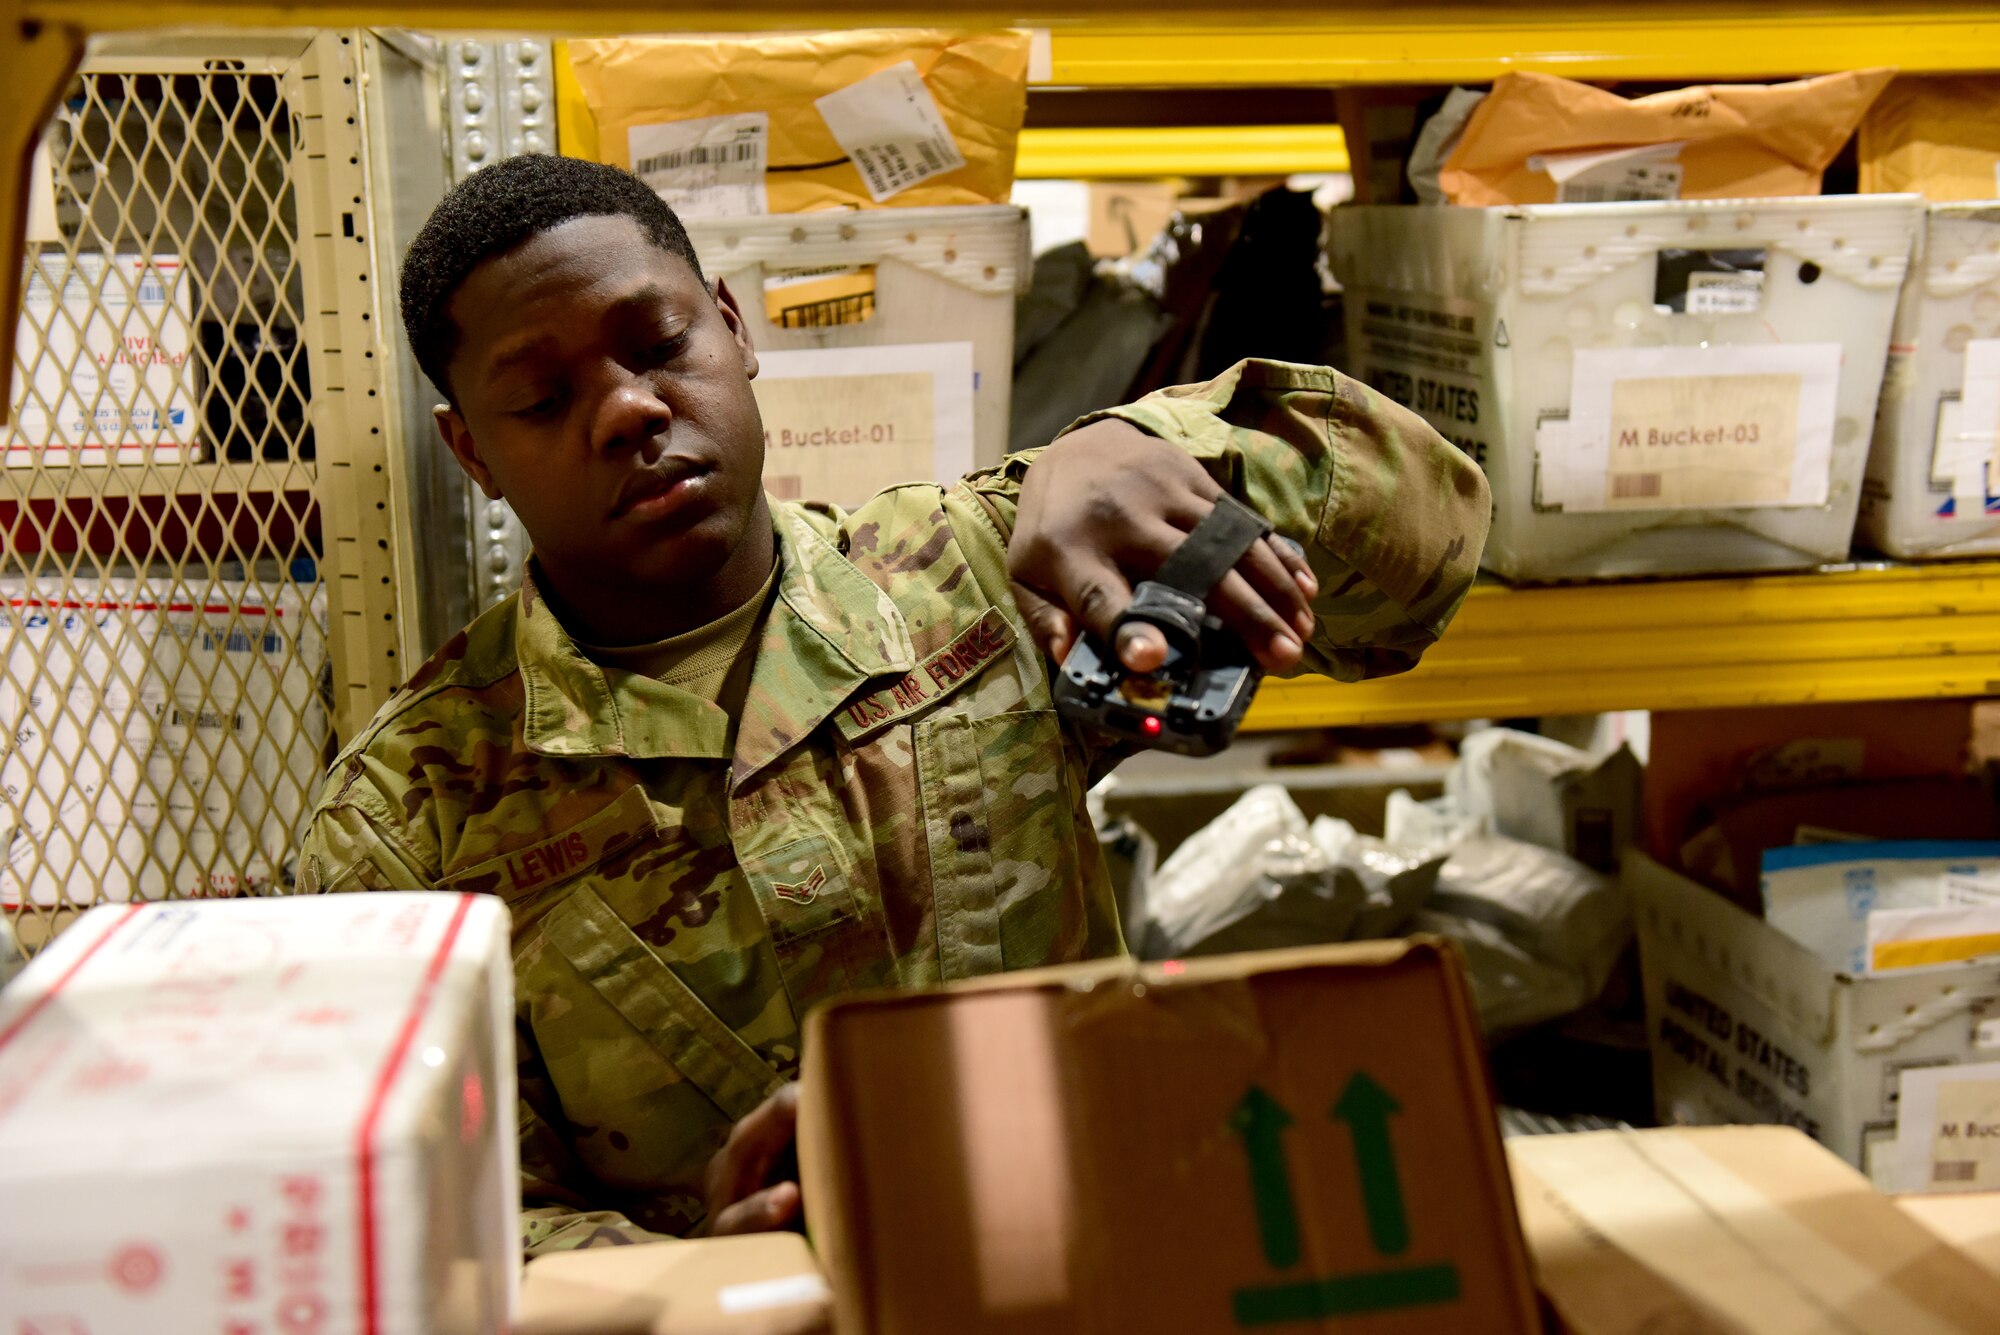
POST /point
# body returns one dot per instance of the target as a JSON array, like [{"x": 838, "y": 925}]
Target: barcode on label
[
  {"x": 1635, "y": 486},
  {"x": 1955, "y": 1170},
  {"x": 832, "y": 312},
  {"x": 705, "y": 155},
  {"x": 889, "y": 169},
  {"x": 1620, "y": 192},
  {"x": 783, "y": 488}
]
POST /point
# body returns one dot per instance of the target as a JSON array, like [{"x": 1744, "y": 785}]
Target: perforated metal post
[{"x": 500, "y": 102}]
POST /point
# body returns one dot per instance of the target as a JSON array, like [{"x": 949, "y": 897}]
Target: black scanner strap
[{"x": 1213, "y": 548}]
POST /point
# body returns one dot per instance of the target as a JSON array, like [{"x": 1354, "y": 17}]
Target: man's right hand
[{"x": 739, "y": 1201}]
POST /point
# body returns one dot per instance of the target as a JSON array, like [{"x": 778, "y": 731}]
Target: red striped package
[{"x": 288, "y": 1115}]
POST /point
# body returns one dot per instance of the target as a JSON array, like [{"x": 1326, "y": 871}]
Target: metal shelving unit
[
  {"x": 1195, "y": 150},
  {"x": 203, "y": 479},
  {"x": 205, "y": 475},
  {"x": 1851, "y": 633}
]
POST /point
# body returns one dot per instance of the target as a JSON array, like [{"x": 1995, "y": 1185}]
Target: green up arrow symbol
[
  {"x": 1261, "y": 1121},
  {"x": 1366, "y": 1108}
]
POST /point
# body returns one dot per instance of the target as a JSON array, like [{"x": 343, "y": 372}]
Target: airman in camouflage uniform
[{"x": 897, "y": 804}]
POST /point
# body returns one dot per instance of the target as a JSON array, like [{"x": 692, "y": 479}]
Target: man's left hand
[{"x": 1100, "y": 510}]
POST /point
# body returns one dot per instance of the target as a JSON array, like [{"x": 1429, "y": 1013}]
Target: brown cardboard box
[
  {"x": 1301, "y": 1139},
  {"x": 1703, "y": 756},
  {"x": 764, "y": 1284},
  {"x": 1969, "y": 1221},
  {"x": 1380, "y": 125},
  {"x": 1729, "y": 853},
  {"x": 1732, "y": 1231},
  {"x": 1126, "y": 216}
]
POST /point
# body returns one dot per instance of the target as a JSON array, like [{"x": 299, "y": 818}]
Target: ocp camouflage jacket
[{"x": 902, "y": 804}]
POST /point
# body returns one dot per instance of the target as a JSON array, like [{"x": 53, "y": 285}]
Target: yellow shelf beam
[
  {"x": 1193, "y": 150},
  {"x": 1294, "y": 42},
  {"x": 1857, "y": 633},
  {"x": 1434, "y": 44}
]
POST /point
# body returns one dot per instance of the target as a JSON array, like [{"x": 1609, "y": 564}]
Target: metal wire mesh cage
[{"x": 166, "y": 673}]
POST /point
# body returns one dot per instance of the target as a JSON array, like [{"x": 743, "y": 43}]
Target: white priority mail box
[
  {"x": 886, "y": 339},
  {"x": 1748, "y": 1025},
  {"x": 273, "y": 1115},
  {"x": 1663, "y": 387},
  {"x": 1934, "y": 473},
  {"x": 167, "y": 736},
  {"x": 103, "y": 346}
]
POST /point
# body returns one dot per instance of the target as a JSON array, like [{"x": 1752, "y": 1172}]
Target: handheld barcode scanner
[{"x": 1193, "y": 703}]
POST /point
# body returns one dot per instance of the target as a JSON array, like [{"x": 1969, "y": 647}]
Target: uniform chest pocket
[
  {"x": 999, "y": 824},
  {"x": 819, "y": 929}
]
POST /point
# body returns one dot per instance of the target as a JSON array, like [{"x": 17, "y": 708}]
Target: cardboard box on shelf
[
  {"x": 1702, "y": 757},
  {"x": 1933, "y": 485},
  {"x": 1300, "y": 1137},
  {"x": 758, "y": 1284},
  {"x": 1126, "y": 216},
  {"x": 1728, "y": 854},
  {"x": 1670, "y": 387},
  {"x": 1748, "y": 1025},
  {"x": 269, "y": 1114},
  {"x": 1380, "y": 125},
  {"x": 905, "y": 372},
  {"x": 1731, "y": 1230}
]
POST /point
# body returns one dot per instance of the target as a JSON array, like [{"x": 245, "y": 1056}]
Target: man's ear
[
  {"x": 739, "y": 328},
  {"x": 457, "y": 438}
]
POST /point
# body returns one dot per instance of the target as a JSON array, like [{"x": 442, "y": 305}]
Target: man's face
[{"x": 606, "y": 396}]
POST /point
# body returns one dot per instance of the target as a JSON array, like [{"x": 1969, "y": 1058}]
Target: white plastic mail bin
[
  {"x": 886, "y": 338},
  {"x": 1933, "y": 487},
  {"x": 1653, "y": 388},
  {"x": 1747, "y": 1025}
]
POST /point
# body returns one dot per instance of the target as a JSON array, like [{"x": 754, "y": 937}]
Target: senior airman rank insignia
[{"x": 805, "y": 891}]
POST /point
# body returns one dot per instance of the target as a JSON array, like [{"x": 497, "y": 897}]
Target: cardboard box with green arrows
[{"x": 1288, "y": 1141}]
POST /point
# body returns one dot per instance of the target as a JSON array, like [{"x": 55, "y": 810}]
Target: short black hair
[{"x": 497, "y": 208}]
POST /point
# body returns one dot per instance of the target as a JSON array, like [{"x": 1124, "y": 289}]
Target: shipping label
[
  {"x": 1948, "y": 1128},
  {"x": 841, "y": 424},
  {"x": 1673, "y": 428},
  {"x": 891, "y": 126},
  {"x": 711, "y": 167},
  {"x": 1430, "y": 354},
  {"x": 104, "y": 347},
  {"x": 1708, "y": 282},
  {"x": 1604, "y": 176},
  {"x": 823, "y": 298},
  {"x": 1686, "y": 441}
]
